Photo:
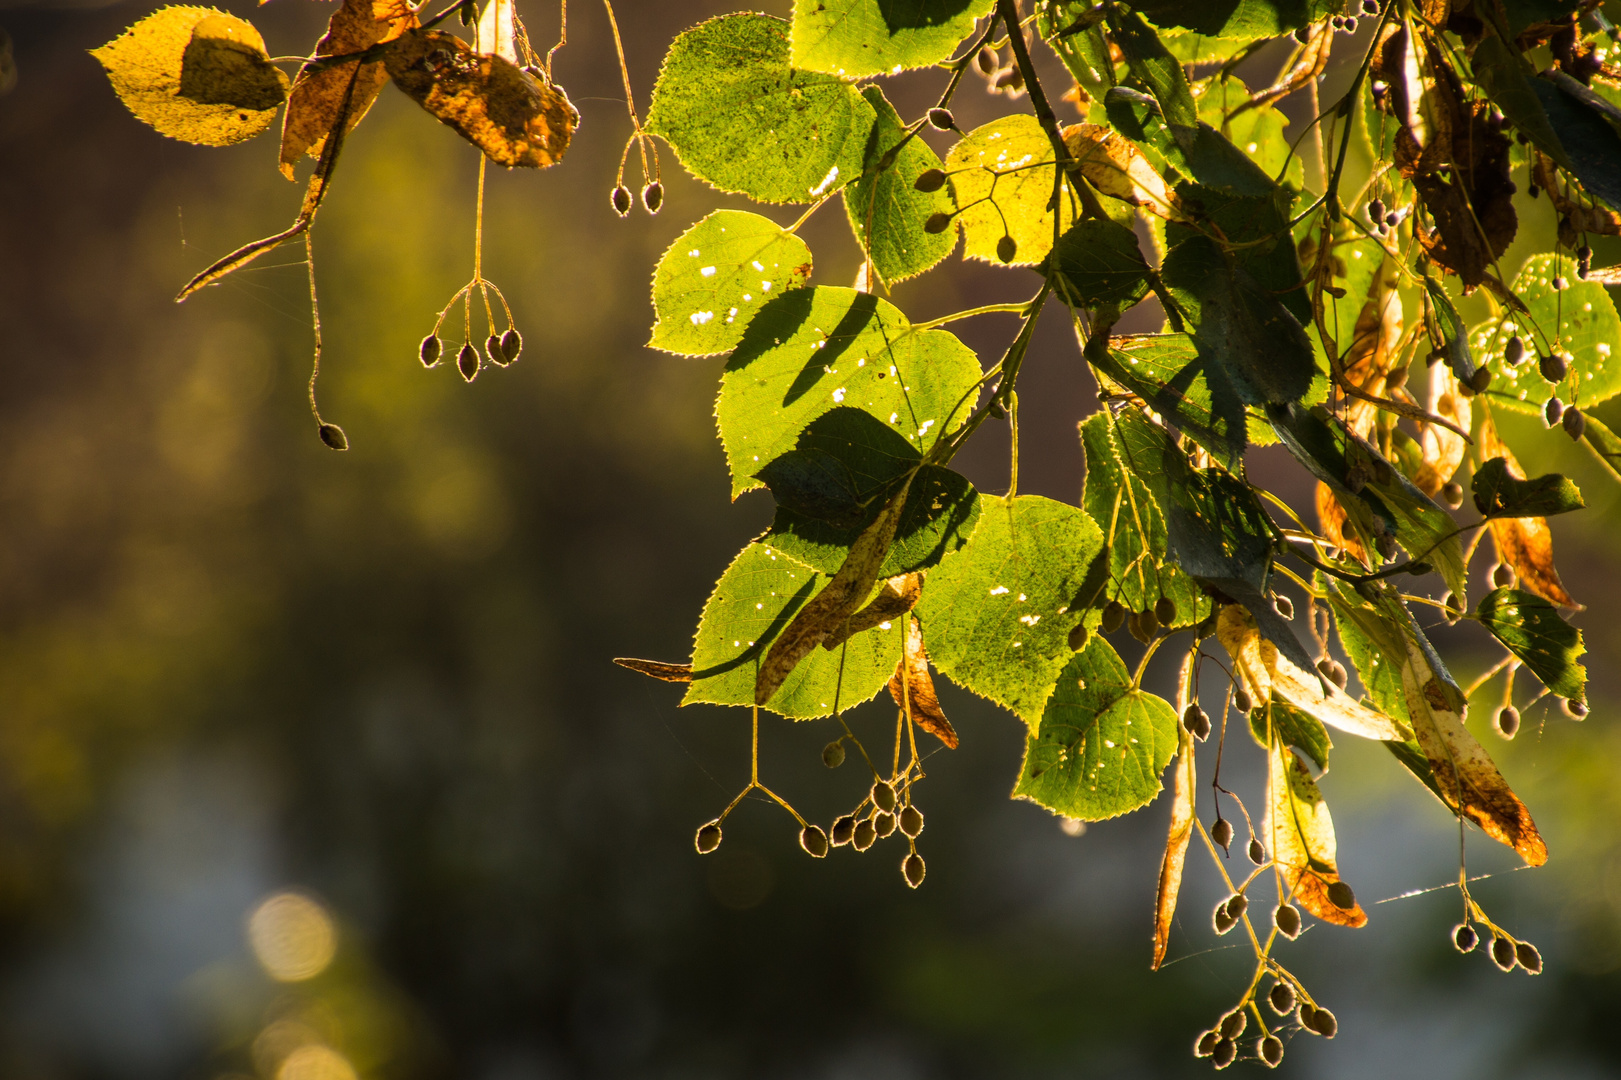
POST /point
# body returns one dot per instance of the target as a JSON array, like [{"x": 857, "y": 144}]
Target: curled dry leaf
[
  {"x": 1443, "y": 447},
  {"x": 658, "y": 669},
  {"x": 913, "y": 689},
  {"x": 1181, "y": 830},
  {"x": 1311, "y": 62},
  {"x": 1524, "y": 543},
  {"x": 1302, "y": 839},
  {"x": 1113, "y": 165},
  {"x": 1374, "y": 352},
  {"x": 1336, "y": 524},
  {"x": 319, "y": 92},
  {"x": 898, "y": 596},
  {"x": 1265, "y": 671},
  {"x": 516, "y": 119}
]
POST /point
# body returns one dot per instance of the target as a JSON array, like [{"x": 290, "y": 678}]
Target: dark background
[{"x": 234, "y": 662}]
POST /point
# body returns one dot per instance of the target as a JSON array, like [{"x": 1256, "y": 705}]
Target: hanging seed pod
[
  {"x": 1233, "y": 1024},
  {"x": 1464, "y": 938},
  {"x": 1287, "y": 919},
  {"x": 1205, "y": 1045},
  {"x": 1303, "y": 35},
  {"x": 1502, "y": 575},
  {"x": 884, "y": 823},
  {"x": 1271, "y": 1050},
  {"x": 1006, "y": 248},
  {"x": 1256, "y": 852},
  {"x": 1077, "y": 637},
  {"x": 912, "y": 869},
  {"x": 1341, "y": 896},
  {"x": 1531, "y": 960},
  {"x": 1202, "y": 732},
  {"x": 1503, "y": 954},
  {"x": 467, "y": 361},
  {"x": 430, "y": 349},
  {"x": 1514, "y": 351},
  {"x": 333, "y": 436},
  {"x": 653, "y": 197},
  {"x": 865, "y": 835},
  {"x": 1191, "y": 716},
  {"x": 1370, "y": 7},
  {"x": 1573, "y": 422},
  {"x": 1576, "y": 710},
  {"x": 1452, "y": 492},
  {"x": 1222, "y": 919},
  {"x": 1392, "y": 219},
  {"x": 833, "y": 754},
  {"x": 1282, "y": 998},
  {"x": 1508, "y": 721},
  {"x": 844, "y": 830},
  {"x": 1554, "y": 367},
  {"x": 708, "y": 838},
  {"x": 1561, "y": 283},
  {"x": 883, "y": 796},
  {"x": 1222, "y": 833},
  {"x": 1225, "y": 1054},
  {"x": 1397, "y": 378},
  {"x": 814, "y": 841},
  {"x": 1139, "y": 625},
  {"x": 1553, "y": 412},
  {"x": 1237, "y": 904},
  {"x": 1480, "y": 380},
  {"x": 941, "y": 119},
  {"x": 621, "y": 199},
  {"x": 511, "y": 344},
  {"x": 938, "y": 222},
  {"x": 911, "y": 821},
  {"x": 1284, "y": 605},
  {"x": 930, "y": 180},
  {"x": 1165, "y": 610},
  {"x": 1323, "y": 1023},
  {"x": 1114, "y": 615},
  {"x": 492, "y": 349},
  {"x": 987, "y": 61},
  {"x": 1241, "y": 700},
  {"x": 1376, "y": 211}
]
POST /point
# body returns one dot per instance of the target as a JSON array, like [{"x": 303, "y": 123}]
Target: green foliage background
[{"x": 231, "y": 661}]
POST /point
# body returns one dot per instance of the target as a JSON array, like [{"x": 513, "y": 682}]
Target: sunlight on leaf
[{"x": 717, "y": 274}]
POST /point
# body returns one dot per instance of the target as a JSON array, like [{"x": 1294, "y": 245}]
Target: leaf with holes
[
  {"x": 717, "y": 274},
  {"x": 885, "y": 208},
  {"x": 1533, "y": 630},
  {"x": 856, "y": 38},
  {"x": 1584, "y": 319},
  {"x": 1002, "y": 181}
]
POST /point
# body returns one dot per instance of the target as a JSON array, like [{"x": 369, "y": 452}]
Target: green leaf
[
  {"x": 1604, "y": 443},
  {"x": 195, "y": 74},
  {"x": 1169, "y": 373},
  {"x": 845, "y": 463},
  {"x": 1161, "y": 72},
  {"x": 1084, "y": 52},
  {"x": 1533, "y": 631},
  {"x": 1098, "y": 263},
  {"x": 1245, "y": 20},
  {"x": 1591, "y": 143},
  {"x": 1454, "y": 332},
  {"x": 941, "y": 511},
  {"x": 856, "y": 38},
  {"x": 1102, "y": 743},
  {"x": 1581, "y": 316},
  {"x": 1294, "y": 727},
  {"x": 1257, "y": 132},
  {"x": 885, "y": 208},
  {"x": 717, "y": 274},
  {"x": 1500, "y": 71},
  {"x": 1499, "y": 493},
  {"x": 1002, "y": 178},
  {"x": 997, "y": 614},
  {"x": 741, "y": 118},
  {"x": 1133, "y": 530},
  {"x": 752, "y": 603},
  {"x": 811, "y": 350}
]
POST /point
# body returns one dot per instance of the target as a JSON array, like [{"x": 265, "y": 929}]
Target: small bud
[
  {"x": 1376, "y": 211},
  {"x": 1503, "y": 954},
  {"x": 930, "y": 180},
  {"x": 1323, "y": 1023},
  {"x": 1256, "y": 852},
  {"x": 1191, "y": 715},
  {"x": 814, "y": 841},
  {"x": 430, "y": 349},
  {"x": 1165, "y": 610},
  {"x": 1077, "y": 638},
  {"x": 937, "y": 223},
  {"x": 1576, "y": 710},
  {"x": 941, "y": 119},
  {"x": 1302, "y": 34},
  {"x": 511, "y": 344},
  {"x": 1507, "y": 721},
  {"x": 1341, "y": 896},
  {"x": 333, "y": 436},
  {"x": 1233, "y": 1024},
  {"x": 1531, "y": 960},
  {"x": 492, "y": 349},
  {"x": 1241, "y": 700},
  {"x": 1006, "y": 248},
  {"x": 1237, "y": 904},
  {"x": 1514, "y": 351},
  {"x": 883, "y": 796},
  {"x": 1222, "y": 919},
  {"x": 1225, "y": 1054},
  {"x": 844, "y": 830},
  {"x": 1452, "y": 493},
  {"x": 1271, "y": 1050},
  {"x": 467, "y": 361},
  {"x": 1502, "y": 575},
  {"x": 1370, "y": 7},
  {"x": 987, "y": 61},
  {"x": 1114, "y": 614},
  {"x": 653, "y": 197},
  {"x": 1287, "y": 919},
  {"x": 1480, "y": 380},
  {"x": 1206, "y": 1044},
  {"x": 1554, "y": 367},
  {"x": 833, "y": 754},
  {"x": 1573, "y": 422},
  {"x": 864, "y": 836},
  {"x": 913, "y": 869},
  {"x": 1282, "y": 997},
  {"x": 911, "y": 821},
  {"x": 1553, "y": 412},
  {"x": 884, "y": 823},
  {"x": 622, "y": 201},
  {"x": 1284, "y": 606},
  {"x": 1222, "y": 833},
  {"x": 708, "y": 838},
  {"x": 1464, "y": 938}
]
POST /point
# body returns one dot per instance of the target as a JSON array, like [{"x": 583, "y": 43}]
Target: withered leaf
[
  {"x": 913, "y": 689},
  {"x": 1523, "y": 543},
  {"x": 1302, "y": 834},
  {"x": 1336, "y": 524},
  {"x": 1112, "y": 164},
  {"x": 658, "y": 669},
  {"x": 898, "y": 596},
  {"x": 1181, "y": 829},
  {"x": 1443, "y": 447},
  {"x": 319, "y": 92},
  {"x": 517, "y": 120},
  {"x": 225, "y": 64}
]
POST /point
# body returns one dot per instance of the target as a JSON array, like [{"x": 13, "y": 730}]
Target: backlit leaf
[
  {"x": 1119, "y": 169},
  {"x": 319, "y": 92},
  {"x": 1099, "y": 263},
  {"x": 1604, "y": 443},
  {"x": 855, "y": 38},
  {"x": 1501, "y": 493},
  {"x": 1524, "y": 544},
  {"x": 1169, "y": 374},
  {"x": 1302, "y": 839},
  {"x": 1590, "y": 143},
  {"x": 1002, "y": 180},
  {"x": 1181, "y": 827},
  {"x": 1243, "y": 20},
  {"x": 1292, "y": 726},
  {"x": 885, "y": 208},
  {"x": 1534, "y": 631},
  {"x": 913, "y": 690}
]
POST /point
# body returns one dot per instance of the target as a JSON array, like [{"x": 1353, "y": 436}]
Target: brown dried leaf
[
  {"x": 1443, "y": 448},
  {"x": 1181, "y": 830},
  {"x": 1523, "y": 543},
  {"x": 516, "y": 119},
  {"x": 1312, "y": 62},
  {"x": 912, "y": 687},
  {"x": 1373, "y": 353},
  {"x": 1113, "y": 164},
  {"x": 658, "y": 669},
  {"x": 318, "y": 93},
  {"x": 898, "y": 596},
  {"x": 1302, "y": 835},
  {"x": 1336, "y": 524}
]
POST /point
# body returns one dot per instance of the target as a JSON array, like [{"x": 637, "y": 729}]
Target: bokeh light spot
[
  {"x": 315, "y": 1063},
  {"x": 292, "y": 936}
]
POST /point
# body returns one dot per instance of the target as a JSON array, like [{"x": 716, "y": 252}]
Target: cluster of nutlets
[
  {"x": 1221, "y": 1044},
  {"x": 1145, "y": 625},
  {"x": 1553, "y": 366},
  {"x": 1507, "y": 952},
  {"x": 502, "y": 350}
]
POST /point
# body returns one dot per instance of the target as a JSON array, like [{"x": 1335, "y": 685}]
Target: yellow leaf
[
  {"x": 1302, "y": 839},
  {"x": 913, "y": 689},
  {"x": 1443, "y": 448},
  {"x": 1113, "y": 165},
  {"x": 497, "y": 106},
  {"x": 1523, "y": 543},
  {"x": 195, "y": 74},
  {"x": 1176, "y": 841}
]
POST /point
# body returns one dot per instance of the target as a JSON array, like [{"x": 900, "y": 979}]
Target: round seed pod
[
  {"x": 1503, "y": 954},
  {"x": 1256, "y": 852},
  {"x": 332, "y": 435},
  {"x": 833, "y": 754},
  {"x": 1222, "y": 919},
  {"x": 1397, "y": 377},
  {"x": 1077, "y": 637},
  {"x": 430, "y": 350},
  {"x": 1006, "y": 248},
  {"x": 1464, "y": 938},
  {"x": 1386, "y": 545},
  {"x": 1165, "y": 610},
  {"x": 1502, "y": 575},
  {"x": 1531, "y": 189},
  {"x": 1341, "y": 896},
  {"x": 653, "y": 197},
  {"x": 1561, "y": 283},
  {"x": 1205, "y": 1045},
  {"x": 1307, "y": 1011},
  {"x": 1143, "y": 626},
  {"x": 814, "y": 841},
  {"x": 1271, "y": 1050},
  {"x": 938, "y": 222},
  {"x": 865, "y": 835},
  {"x": 1573, "y": 422},
  {"x": 1233, "y": 1024},
  {"x": 930, "y": 180},
  {"x": 1553, "y": 412},
  {"x": 1282, "y": 998},
  {"x": 941, "y": 119},
  {"x": 883, "y": 796},
  {"x": 492, "y": 349},
  {"x": 621, "y": 199},
  {"x": 1114, "y": 615},
  {"x": 1376, "y": 211},
  {"x": 1392, "y": 219},
  {"x": 1225, "y": 1054},
  {"x": 1324, "y": 1023},
  {"x": 1241, "y": 700},
  {"x": 1348, "y": 24},
  {"x": 1531, "y": 960},
  {"x": 911, "y": 821},
  {"x": 1452, "y": 492},
  {"x": 1584, "y": 253},
  {"x": 1576, "y": 710},
  {"x": 1285, "y": 606},
  {"x": 987, "y": 61},
  {"x": 1554, "y": 367},
  {"x": 1454, "y": 607},
  {"x": 467, "y": 361},
  {"x": 1190, "y": 716},
  {"x": 844, "y": 830},
  {"x": 1370, "y": 7},
  {"x": 1222, "y": 833},
  {"x": 1011, "y": 80},
  {"x": 1303, "y": 35},
  {"x": 1202, "y": 732},
  {"x": 708, "y": 838},
  {"x": 1507, "y": 721},
  {"x": 1237, "y": 904},
  {"x": 1480, "y": 380},
  {"x": 1287, "y": 919},
  {"x": 912, "y": 869},
  {"x": 1514, "y": 351},
  {"x": 884, "y": 822},
  {"x": 511, "y": 344}
]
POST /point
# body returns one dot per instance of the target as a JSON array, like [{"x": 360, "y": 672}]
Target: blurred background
[{"x": 314, "y": 766}]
